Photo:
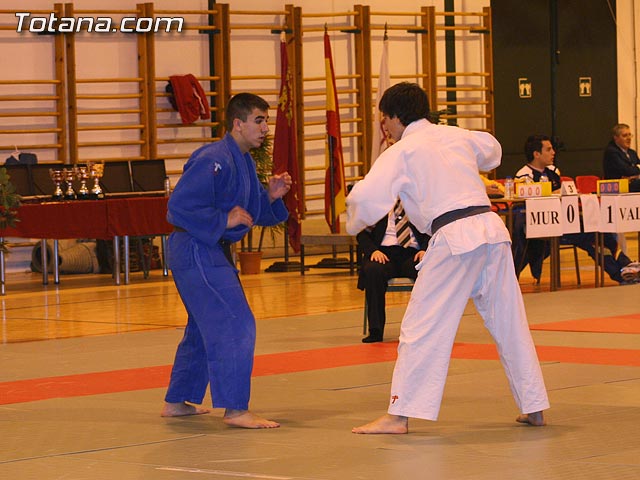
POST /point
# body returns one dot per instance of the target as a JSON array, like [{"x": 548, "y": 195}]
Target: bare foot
[
  {"x": 536, "y": 419},
  {"x": 385, "y": 424},
  {"x": 182, "y": 409},
  {"x": 246, "y": 419}
]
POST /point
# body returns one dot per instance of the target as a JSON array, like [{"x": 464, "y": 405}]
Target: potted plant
[
  {"x": 250, "y": 256},
  {"x": 435, "y": 117},
  {"x": 9, "y": 203}
]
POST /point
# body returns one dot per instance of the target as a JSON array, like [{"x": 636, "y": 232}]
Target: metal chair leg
[
  {"x": 366, "y": 316},
  {"x": 575, "y": 259}
]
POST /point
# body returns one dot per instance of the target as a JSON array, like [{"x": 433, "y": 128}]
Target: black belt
[
  {"x": 225, "y": 244},
  {"x": 226, "y": 248},
  {"x": 453, "y": 215}
]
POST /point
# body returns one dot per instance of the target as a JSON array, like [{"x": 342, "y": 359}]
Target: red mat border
[
  {"x": 626, "y": 324},
  {"x": 145, "y": 378}
]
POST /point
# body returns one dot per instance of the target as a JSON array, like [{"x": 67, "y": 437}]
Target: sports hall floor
[{"x": 83, "y": 370}]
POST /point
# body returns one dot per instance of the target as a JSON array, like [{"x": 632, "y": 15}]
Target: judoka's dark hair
[
  {"x": 241, "y": 105},
  {"x": 407, "y": 101},
  {"x": 534, "y": 144}
]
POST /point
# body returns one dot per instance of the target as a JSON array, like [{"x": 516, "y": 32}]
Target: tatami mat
[{"x": 315, "y": 377}]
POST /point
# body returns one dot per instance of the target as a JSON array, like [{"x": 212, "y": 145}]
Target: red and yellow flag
[
  {"x": 334, "y": 191},
  {"x": 285, "y": 150}
]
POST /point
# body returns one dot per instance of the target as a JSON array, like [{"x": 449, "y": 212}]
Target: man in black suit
[
  {"x": 391, "y": 248},
  {"x": 620, "y": 160}
]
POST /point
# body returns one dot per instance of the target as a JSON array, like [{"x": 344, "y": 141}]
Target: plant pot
[{"x": 249, "y": 262}]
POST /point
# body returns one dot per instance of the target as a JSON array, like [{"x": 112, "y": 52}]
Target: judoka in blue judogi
[{"x": 214, "y": 204}]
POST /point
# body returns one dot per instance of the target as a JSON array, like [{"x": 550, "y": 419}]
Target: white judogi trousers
[{"x": 445, "y": 283}]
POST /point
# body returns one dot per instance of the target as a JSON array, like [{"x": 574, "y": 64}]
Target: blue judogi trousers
[{"x": 219, "y": 339}]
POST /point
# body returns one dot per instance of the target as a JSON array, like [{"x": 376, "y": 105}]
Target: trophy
[
  {"x": 69, "y": 173},
  {"x": 83, "y": 175},
  {"x": 96, "y": 170},
  {"x": 57, "y": 177}
]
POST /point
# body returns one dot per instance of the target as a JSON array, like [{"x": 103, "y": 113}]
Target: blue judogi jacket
[{"x": 216, "y": 178}]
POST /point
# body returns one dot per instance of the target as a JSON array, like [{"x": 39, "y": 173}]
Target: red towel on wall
[{"x": 190, "y": 98}]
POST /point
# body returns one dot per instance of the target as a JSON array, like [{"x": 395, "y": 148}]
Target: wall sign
[
  {"x": 584, "y": 85},
  {"x": 524, "y": 88}
]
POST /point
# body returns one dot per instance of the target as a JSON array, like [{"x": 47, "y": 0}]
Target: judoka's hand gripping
[
  {"x": 239, "y": 216},
  {"x": 279, "y": 185}
]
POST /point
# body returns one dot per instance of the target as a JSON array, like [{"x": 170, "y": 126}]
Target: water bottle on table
[{"x": 508, "y": 188}]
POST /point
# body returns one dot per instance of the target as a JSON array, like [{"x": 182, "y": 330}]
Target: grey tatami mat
[{"x": 592, "y": 432}]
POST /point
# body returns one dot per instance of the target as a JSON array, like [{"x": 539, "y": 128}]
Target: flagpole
[
  {"x": 332, "y": 174},
  {"x": 332, "y": 191},
  {"x": 285, "y": 159},
  {"x": 334, "y": 151}
]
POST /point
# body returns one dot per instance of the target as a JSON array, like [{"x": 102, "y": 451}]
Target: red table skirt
[
  {"x": 137, "y": 216},
  {"x": 134, "y": 216}
]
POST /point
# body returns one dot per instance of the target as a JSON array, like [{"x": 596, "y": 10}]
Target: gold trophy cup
[
  {"x": 82, "y": 173},
  {"x": 96, "y": 170},
  {"x": 69, "y": 174},
  {"x": 57, "y": 177}
]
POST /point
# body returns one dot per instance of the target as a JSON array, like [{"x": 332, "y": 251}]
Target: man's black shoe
[{"x": 372, "y": 339}]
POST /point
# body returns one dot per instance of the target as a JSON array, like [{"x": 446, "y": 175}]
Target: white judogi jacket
[{"x": 433, "y": 169}]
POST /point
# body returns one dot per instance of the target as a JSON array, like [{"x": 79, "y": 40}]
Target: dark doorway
[{"x": 566, "y": 51}]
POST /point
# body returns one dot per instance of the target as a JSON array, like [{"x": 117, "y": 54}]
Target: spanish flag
[
  {"x": 285, "y": 158},
  {"x": 334, "y": 192}
]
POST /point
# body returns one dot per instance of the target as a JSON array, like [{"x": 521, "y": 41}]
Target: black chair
[
  {"x": 148, "y": 175},
  {"x": 41, "y": 183},
  {"x": 116, "y": 177}
]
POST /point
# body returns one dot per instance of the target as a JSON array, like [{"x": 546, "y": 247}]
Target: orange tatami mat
[
  {"x": 280, "y": 363},
  {"x": 615, "y": 324}
]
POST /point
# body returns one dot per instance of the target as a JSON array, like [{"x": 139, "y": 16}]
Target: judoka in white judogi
[{"x": 434, "y": 169}]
